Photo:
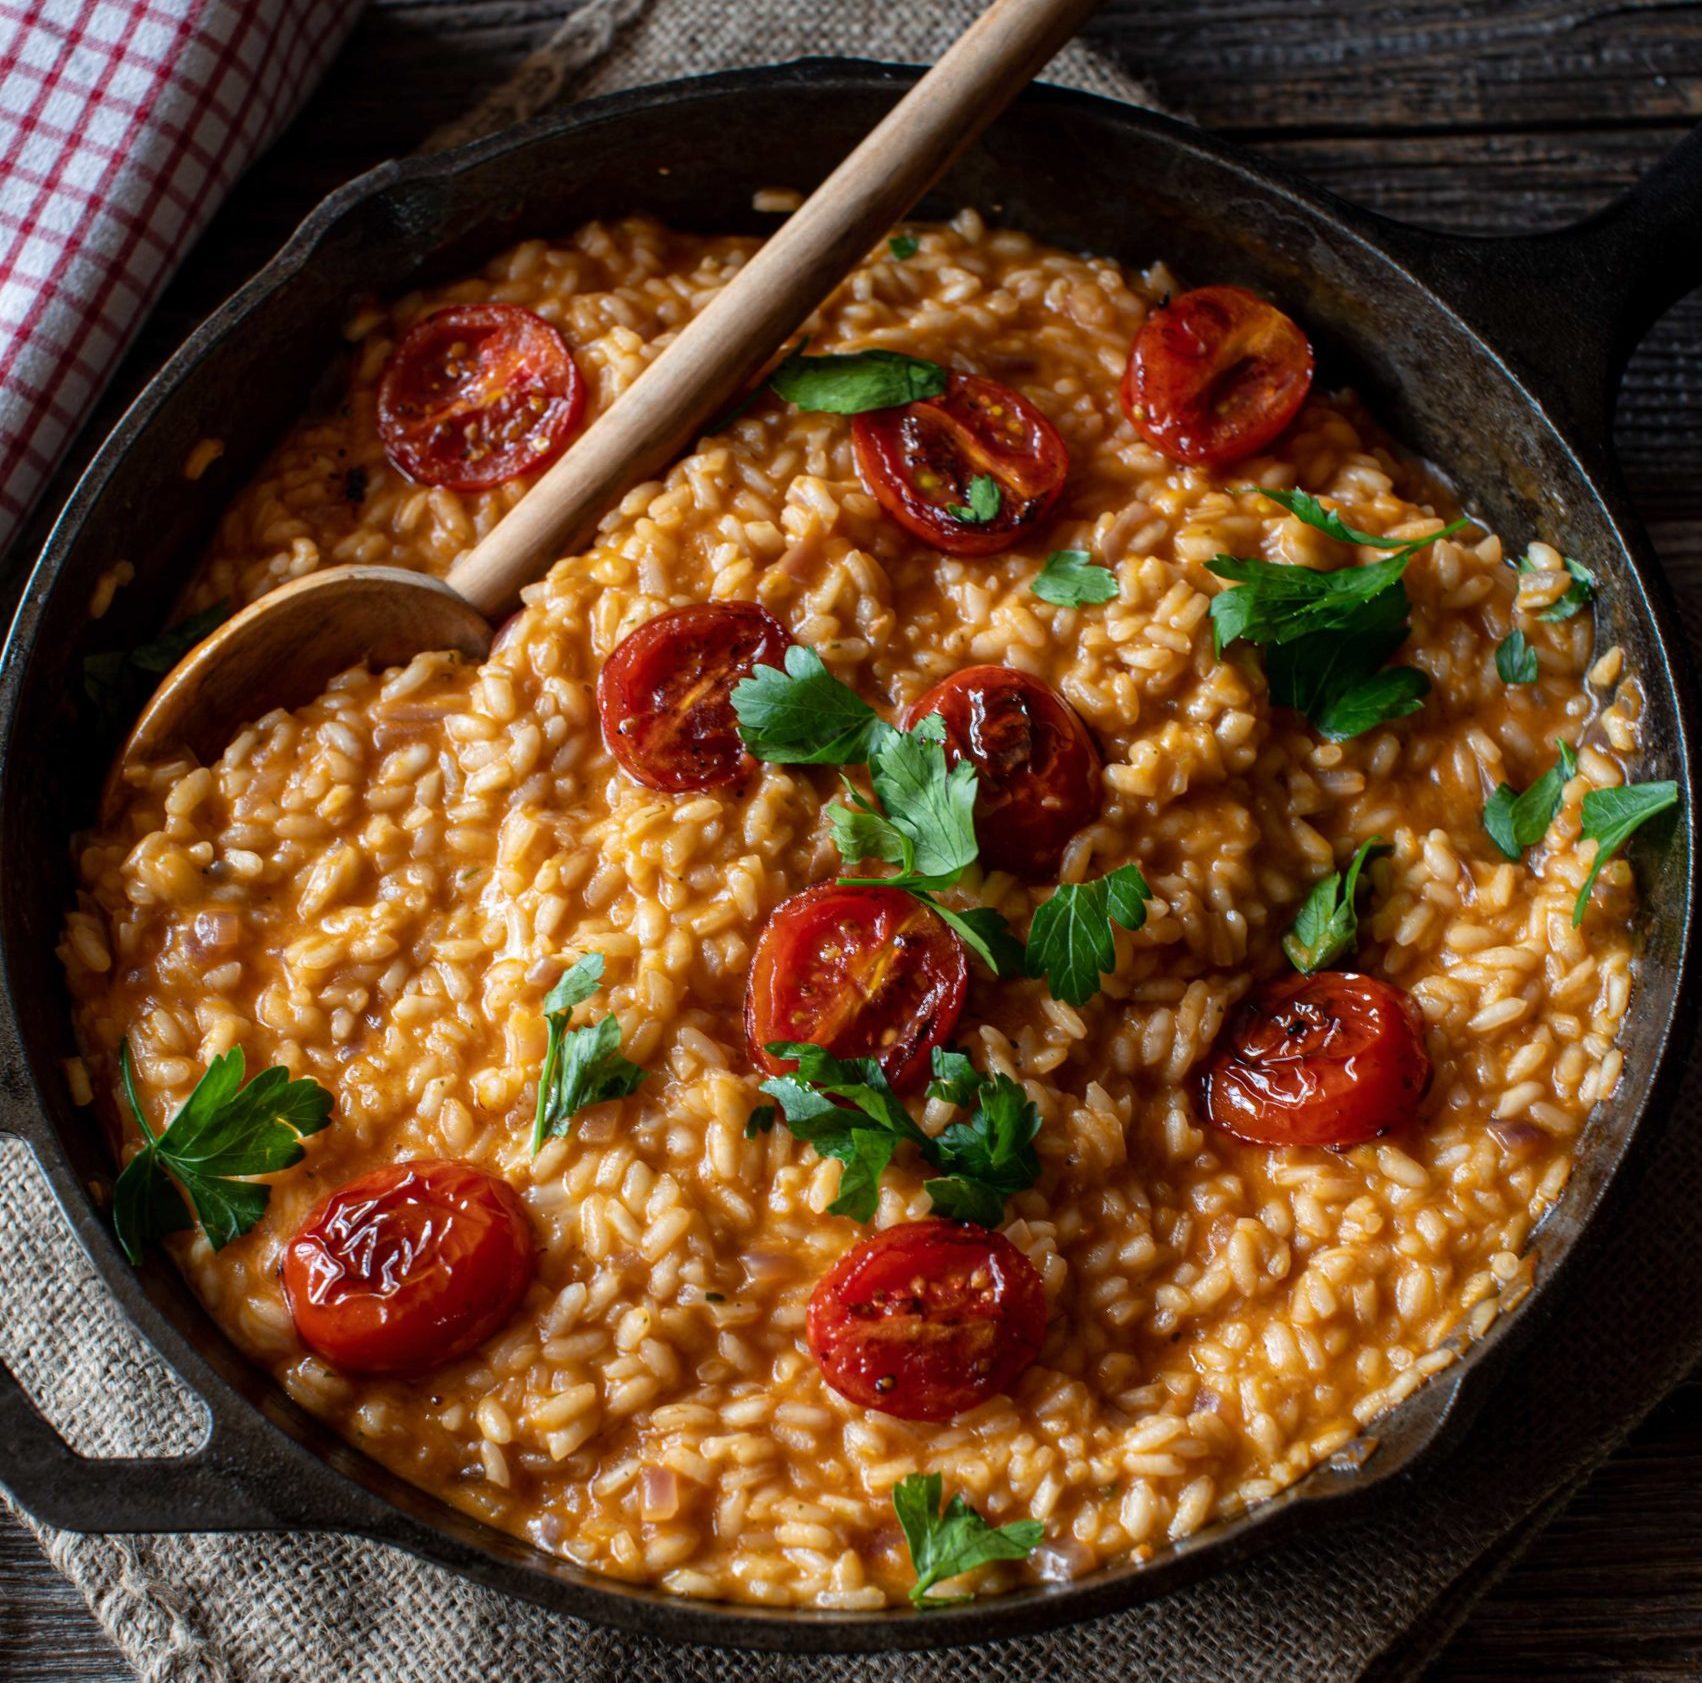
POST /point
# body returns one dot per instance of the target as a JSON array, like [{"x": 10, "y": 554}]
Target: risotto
[{"x": 437, "y": 890}]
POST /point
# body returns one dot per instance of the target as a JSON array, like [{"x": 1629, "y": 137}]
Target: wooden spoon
[{"x": 283, "y": 649}]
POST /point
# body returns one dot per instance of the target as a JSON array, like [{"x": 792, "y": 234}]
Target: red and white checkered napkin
[{"x": 123, "y": 123}]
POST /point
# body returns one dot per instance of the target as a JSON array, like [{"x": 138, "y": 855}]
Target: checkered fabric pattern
[{"x": 123, "y": 123}]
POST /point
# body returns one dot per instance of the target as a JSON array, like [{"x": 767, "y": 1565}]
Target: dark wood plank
[
  {"x": 46, "y": 1632},
  {"x": 1485, "y": 116},
  {"x": 1613, "y": 1588},
  {"x": 1244, "y": 67},
  {"x": 1253, "y": 67}
]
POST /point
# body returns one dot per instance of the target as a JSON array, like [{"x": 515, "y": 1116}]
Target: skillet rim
[{"x": 1450, "y": 1397}]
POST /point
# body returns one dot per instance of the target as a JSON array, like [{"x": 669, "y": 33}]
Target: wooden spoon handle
[{"x": 692, "y": 380}]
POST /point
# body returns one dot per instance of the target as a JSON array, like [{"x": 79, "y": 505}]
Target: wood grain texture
[{"x": 1490, "y": 116}]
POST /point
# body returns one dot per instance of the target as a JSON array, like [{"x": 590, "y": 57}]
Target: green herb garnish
[
  {"x": 223, "y": 1130},
  {"x": 1327, "y": 633},
  {"x": 985, "y": 501},
  {"x": 846, "y": 1109},
  {"x": 902, "y": 246},
  {"x": 1309, "y": 511},
  {"x": 849, "y": 384},
  {"x": 990, "y": 1157},
  {"x": 1610, "y": 815},
  {"x": 1071, "y": 579},
  {"x": 1579, "y": 594},
  {"x": 1070, "y": 941},
  {"x": 1281, "y": 603},
  {"x": 805, "y": 716},
  {"x": 1341, "y": 690},
  {"x": 1516, "y": 821},
  {"x": 1516, "y": 660},
  {"x": 1327, "y": 924},
  {"x": 928, "y": 828},
  {"x": 1326, "y": 637},
  {"x": 945, "y": 1545},
  {"x": 582, "y": 1066},
  {"x": 118, "y": 681}
]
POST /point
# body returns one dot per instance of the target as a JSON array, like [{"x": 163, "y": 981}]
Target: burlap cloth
[{"x": 1368, "y": 1599}]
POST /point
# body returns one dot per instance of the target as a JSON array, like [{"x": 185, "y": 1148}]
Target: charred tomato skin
[
  {"x": 665, "y": 695},
  {"x": 927, "y": 1320},
  {"x": 1215, "y": 375},
  {"x": 919, "y": 459},
  {"x": 478, "y": 394},
  {"x": 861, "y": 972},
  {"x": 1332, "y": 1059},
  {"x": 1039, "y": 772},
  {"x": 408, "y": 1267}
]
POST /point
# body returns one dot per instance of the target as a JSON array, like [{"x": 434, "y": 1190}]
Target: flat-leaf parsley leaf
[
  {"x": 850, "y": 383},
  {"x": 845, "y": 1108},
  {"x": 1516, "y": 821},
  {"x": 1279, "y": 602},
  {"x": 1327, "y": 924},
  {"x": 803, "y": 715},
  {"x": 1516, "y": 660},
  {"x": 1070, "y": 941},
  {"x": 985, "y": 932},
  {"x": 991, "y": 1156},
  {"x": 1577, "y": 596},
  {"x": 223, "y": 1130},
  {"x": 1610, "y": 815},
  {"x": 1326, "y": 634},
  {"x": 985, "y": 501},
  {"x": 582, "y": 1066},
  {"x": 928, "y": 829},
  {"x": 945, "y": 1545},
  {"x": 1337, "y": 678},
  {"x": 1072, "y": 579}
]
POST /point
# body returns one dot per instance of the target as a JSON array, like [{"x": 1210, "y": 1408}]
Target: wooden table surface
[{"x": 1483, "y": 115}]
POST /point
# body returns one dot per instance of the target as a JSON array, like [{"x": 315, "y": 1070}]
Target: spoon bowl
[{"x": 283, "y": 650}]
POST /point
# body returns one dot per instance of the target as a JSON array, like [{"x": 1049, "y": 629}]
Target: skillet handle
[
  {"x": 1567, "y": 308},
  {"x": 231, "y": 1483},
  {"x": 58, "y": 1487}
]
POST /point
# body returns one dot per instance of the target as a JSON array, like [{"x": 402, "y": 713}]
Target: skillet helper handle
[
  {"x": 1569, "y": 307},
  {"x": 704, "y": 369},
  {"x": 58, "y": 1487},
  {"x": 243, "y": 1478}
]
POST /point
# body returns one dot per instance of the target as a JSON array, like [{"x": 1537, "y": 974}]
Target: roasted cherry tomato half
[
  {"x": 1215, "y": 375},
  {"x": 1039, "y": 770},
  {"x": 409, "y": 1267},
  {"x": 665, "y": 696},
  {"x": 1331, "y": 1059},
  {"x": 861, "y": 972},
  {"x": 920, "y": 460},
  {"x": 927, "y": 1320},
  {"x": 478, "y": 394}
]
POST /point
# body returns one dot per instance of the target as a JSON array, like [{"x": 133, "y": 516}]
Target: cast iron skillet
[{"x": 1497, "y": 358}]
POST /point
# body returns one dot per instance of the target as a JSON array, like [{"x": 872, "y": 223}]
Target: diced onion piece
[
  {"x": 1058, "y": 1562},
  {"x": 215, "y": 931},
  {"x": 660, "y": 1493}
]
